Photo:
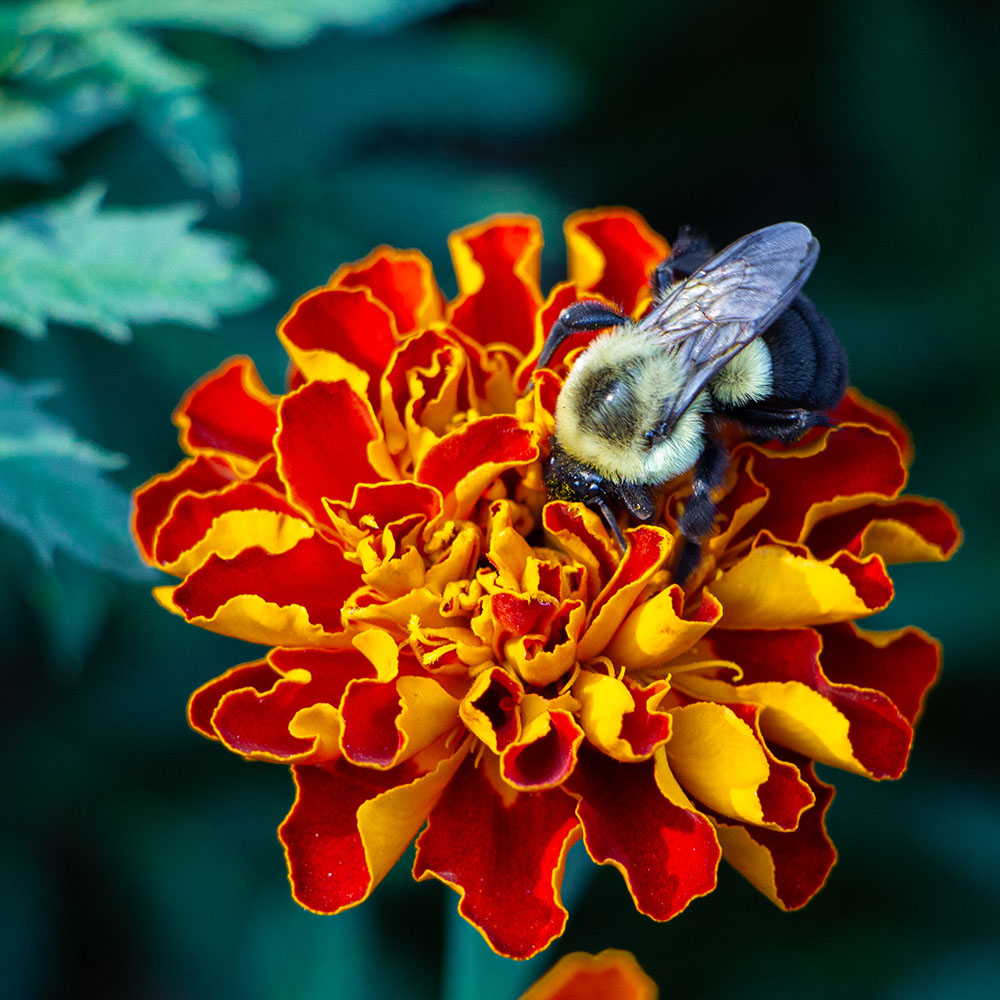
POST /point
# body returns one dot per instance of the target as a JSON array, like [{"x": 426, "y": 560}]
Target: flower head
[{"x": 451, "y": 652}]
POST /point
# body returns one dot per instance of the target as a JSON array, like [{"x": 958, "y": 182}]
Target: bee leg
[
  {"x": 699, "y": 510},
  {"x": 610, "y": 522},
  {"x": 689, "y": 251},
  {"x": 580, "y": 317},
  {"x": 764, "y": 424}
]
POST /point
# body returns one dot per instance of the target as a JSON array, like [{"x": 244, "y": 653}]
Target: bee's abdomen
[{"x": 809, "y": 366}]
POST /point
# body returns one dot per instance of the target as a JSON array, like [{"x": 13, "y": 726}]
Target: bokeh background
[{"x": 139, "y": 860}]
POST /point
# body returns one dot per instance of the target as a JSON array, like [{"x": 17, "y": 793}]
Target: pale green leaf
[
  {"x": 53, "y": 491},
  {"x": 78, "y": 263},
  {"x": 32, "y": 131},
  {"x": 192, "y": 134},
  {"x": 269, "y": 22}
]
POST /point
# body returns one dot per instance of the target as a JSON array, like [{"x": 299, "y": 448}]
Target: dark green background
[{"x": 140, "y": 861}]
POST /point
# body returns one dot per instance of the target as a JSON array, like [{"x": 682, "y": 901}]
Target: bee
[{"x": 728, "y": 340}]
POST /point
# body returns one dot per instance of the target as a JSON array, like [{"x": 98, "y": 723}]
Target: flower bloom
[
  {"x": 609, "y": 975},
  {"x": 452, "y": 656}
]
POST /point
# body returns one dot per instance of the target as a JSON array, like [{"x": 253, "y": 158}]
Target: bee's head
[{"x": 567, "y": 478}]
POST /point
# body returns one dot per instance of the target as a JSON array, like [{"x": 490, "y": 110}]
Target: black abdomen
[{"x": 809, "y": 366}]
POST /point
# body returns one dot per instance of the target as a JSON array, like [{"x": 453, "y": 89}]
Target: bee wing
[{"x": 712, "y": 315}]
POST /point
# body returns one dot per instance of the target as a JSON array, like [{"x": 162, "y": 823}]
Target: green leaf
[
  {"x": 52, "y": 486},
  {"x": 269, "y": 22},
  {"x": 76, "y": 263},
  {"x": 33, "y": 130},
  {"x": 192, "y": 134}
]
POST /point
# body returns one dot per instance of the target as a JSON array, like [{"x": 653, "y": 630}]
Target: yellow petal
[
  {"x": 656, "y": 631},
  {"x": 235, "y": 530},
  {"x": 772, "y": 587},
  {"x": 251, "y": 618},
  {"x": 792, "y": 714},
  {"x": 717, "y": 758}
]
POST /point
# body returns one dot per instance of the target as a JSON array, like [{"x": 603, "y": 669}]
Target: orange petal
[{"x": 609, "y": 975}]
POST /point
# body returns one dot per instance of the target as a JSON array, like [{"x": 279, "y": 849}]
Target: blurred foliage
[{"x": 138, "y": 860}]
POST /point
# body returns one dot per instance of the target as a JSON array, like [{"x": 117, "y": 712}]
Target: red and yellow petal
[
  {"x": 290, "y": 598},
  {"x": 776, "y": 586},
  {"x": 504, "y": 854},
  {"x": 608, "y": 975},
  {"x": 789, "y": 868},
  {"x": 401, "y": 280},
  {"x": 229, "y": 413},
  {"x": 350, "y": 825},
  {"x": 667, "y": 854},
  {"x": 612, "y": 251},
  {"x": 497, "y": 264}
]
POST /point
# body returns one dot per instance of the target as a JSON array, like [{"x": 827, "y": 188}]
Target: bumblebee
[{"x": 729, "y": 340}]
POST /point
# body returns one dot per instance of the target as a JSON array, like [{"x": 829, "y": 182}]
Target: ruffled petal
[
  {"x": 775, "y": 586},
  {"x": 609, "y": 975},
  {"x": 290, "y": 598},
  {"x": 228, "y": 412},
  {"x": 789, "y": 868},
  {"x": 152, "y": 502},
  {"x": 613, "y": 251},
  {"x": 504, "y": 853},
  {"x": 401, "y": 280},
  {"x": 326, "y": 440},
  {"x": 497, "y": 264},
  {"x": 666, "y": 853},
  {"x": 350, "y": 825},
  {"x": 855, "y": 728},
  {"x": 333, "y": 334}
]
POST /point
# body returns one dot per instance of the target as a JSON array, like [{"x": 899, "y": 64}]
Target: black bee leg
[
  {"x": 689, "y": 251},
  {"x": 763, "y": 424},
  {"x": 608, "y": 517},
  {"x": 699, "y": 510},
  {"x": 581, "y": 317}
]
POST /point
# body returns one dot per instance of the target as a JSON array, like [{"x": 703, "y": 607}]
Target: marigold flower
[
  {"x": 452, "y": 654},
  {"x": 609, "y": 975}
]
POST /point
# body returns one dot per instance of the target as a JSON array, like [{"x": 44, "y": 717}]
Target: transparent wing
[{"x": 712, "y": 315}]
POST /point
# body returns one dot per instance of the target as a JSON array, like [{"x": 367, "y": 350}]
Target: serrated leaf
[
  {"x": 78, "y": 263},
  {"x": 32, "y": 131},
  {"x": 53, "y": 491},
  {"x": 192, "y": 134},
  {"x": 269, "y": 22}
]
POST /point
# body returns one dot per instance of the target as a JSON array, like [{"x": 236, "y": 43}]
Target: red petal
[
  {"x": 347, "y": 322},
  {"x": 800, "y": 859},
  {"x": 255, "y": 722},
  {"x": 401, "y": 280},
  {"x": 313, "y": 574},
  {"x": 327, "y": 864},
  {"x": 504, "y": 857},
  {"x": 201, "y": 474},
  {"x": 644, "y": 729},
  {"x": 545, "y": 762},
  {"x": 903, "y": 665},
  {"x": 496, "y": 443},
  {"x": 855, "y": 408},
  {"x": 667, "y": 854},
  {"x": 259, "y": 676},
  {"x": 193, "y": 514},
  {"x": 855, "y": 461},
  {"x": 879, "y": 735},
  {"x": 325, "y": 428},
  {"x": 228, "y": 410},
  {"x": 498, "y": 294},
  {"x": 928, "y": 518},
  {"x": 630, "y": 249}
]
